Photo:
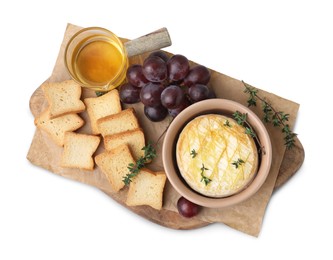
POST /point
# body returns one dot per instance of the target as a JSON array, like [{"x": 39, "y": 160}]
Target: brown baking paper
[{"x": 246, "y": 217}]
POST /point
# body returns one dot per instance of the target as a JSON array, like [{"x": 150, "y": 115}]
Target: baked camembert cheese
[{"x": 215, "y": 156}]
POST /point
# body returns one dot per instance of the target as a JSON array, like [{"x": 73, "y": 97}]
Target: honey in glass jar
[{"x": 96, "y": 58}]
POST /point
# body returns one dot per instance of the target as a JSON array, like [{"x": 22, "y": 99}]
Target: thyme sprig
[
  {"x": 238, "y": 163},
  {"x": 204, "y": 178},
  {"x": 193, "y": 153},
  {"x": 227, "y": 123},
  {"x": 271, "y": 115},
  {"x": 249, "y": 131},
  {"x": 134, "y": 168},
  {"x": 241, "y": 119}
]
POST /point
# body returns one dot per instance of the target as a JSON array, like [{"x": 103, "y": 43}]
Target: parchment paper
[{"x": 246, "y": 217}]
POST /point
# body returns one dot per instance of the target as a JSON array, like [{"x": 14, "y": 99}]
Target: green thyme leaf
[
  {"x": 238, "y": 163},
  {"x": 99, "y": 93},
  {"x": 193, "y": 153},
  {"x": 249, "y": 131},
  {"x": 239, "y": 117},
  {"x": 204, "y": 178},
  {"x": 252, "y": 100},
  {"x": 227, "y": 123}
]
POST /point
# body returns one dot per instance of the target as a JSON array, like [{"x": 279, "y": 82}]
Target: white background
[{"x": 285, "y": 47}]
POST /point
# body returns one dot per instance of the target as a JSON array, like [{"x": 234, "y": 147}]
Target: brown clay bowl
[{"x": 224, "y": 107}]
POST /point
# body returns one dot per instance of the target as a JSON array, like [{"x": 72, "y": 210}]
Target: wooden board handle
[{"x": 153, "y": 41}]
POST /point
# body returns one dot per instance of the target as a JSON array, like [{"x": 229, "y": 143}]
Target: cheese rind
[{"x": 218, "y": 143}]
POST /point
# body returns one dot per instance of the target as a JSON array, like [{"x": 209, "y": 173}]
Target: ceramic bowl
[{"x": 223, "y": 107}]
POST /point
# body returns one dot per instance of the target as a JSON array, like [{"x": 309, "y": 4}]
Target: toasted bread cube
[
  {"x": 117, "y": 123},
  {"x": 114, "y": 165},
  {"x": 57, "y": 127},
  {"x": 99, "y": 107},
  {"x": 135, "y": 139},
  {"x": 63, "y": 97},
  {"x": 78, "y": 151},
  {"x": 147, "y": 189}
]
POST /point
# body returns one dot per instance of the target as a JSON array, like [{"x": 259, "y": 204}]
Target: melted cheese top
[{"x": 209, "y": 148}]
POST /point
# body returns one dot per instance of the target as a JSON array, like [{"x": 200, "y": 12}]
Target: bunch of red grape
[{"x": 165, "y": 85}]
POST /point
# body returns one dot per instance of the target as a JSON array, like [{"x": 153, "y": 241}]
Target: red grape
[
  {"x": 198, "y": 74},
  {"x": 150, "y": 94},
  {"x": 198, "y": 92},
  {"x": 178, "y": 67},
  {"x": 135, "y": 76},
  {"x": 174, "y": 112},
  {"x": 160, "y": 54},
  {"x": 129, "y": 94},
  {"x": 155, "y": 69},
  {"x": 187, "y": 208},
  {"x": 155, "y": 114},
  {"x": 172, "y": 96}
]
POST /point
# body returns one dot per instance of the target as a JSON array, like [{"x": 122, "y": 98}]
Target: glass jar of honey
[{"x": 96, "y": 58}]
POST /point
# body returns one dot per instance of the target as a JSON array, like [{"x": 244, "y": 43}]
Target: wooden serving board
[
  {"x": 292, "y": 161},
  {"x": 44, "y": 153}
]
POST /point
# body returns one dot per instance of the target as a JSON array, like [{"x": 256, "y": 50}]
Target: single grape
[
  {"x": 135, "y": 76},
  {"x": 155, "y": 114},
  {"x": 129, "y": 94},
  {"x": 198, "y": 74},
  {"x": 172, "y": 96},
  {"x": 150, "y": 94},
  {"x": 155, "y": 69},
  {"x": 178, "y": 67},
  {"x": 175, "y": 112},
  {"x": 160, "y": 54},
  {"x": 187, "y": 208},
  {"x": 198, "y": 92}
]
